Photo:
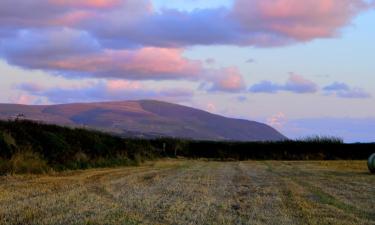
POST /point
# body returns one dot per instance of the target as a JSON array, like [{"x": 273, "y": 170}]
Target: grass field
[{"x": 195, "y": 192}]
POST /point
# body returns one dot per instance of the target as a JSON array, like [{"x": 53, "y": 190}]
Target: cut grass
[{"x": 195, "y": 192}]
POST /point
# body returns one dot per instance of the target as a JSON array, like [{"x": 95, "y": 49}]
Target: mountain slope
[{"x": 147, "y": 118}]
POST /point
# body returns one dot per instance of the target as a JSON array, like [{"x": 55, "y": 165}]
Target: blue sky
[{"x": 305, "y": 70}]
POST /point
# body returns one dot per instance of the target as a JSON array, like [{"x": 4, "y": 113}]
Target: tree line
[{"x": 27, "y": 146}]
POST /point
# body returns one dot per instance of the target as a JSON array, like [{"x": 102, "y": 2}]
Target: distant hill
[{"x": 146, "y": 118}]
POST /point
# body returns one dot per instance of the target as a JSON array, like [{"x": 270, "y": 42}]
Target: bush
[
  {"x": 53, "y": 146},
  {"x": 81, "y": 160},
  {"x": 67, "y": 148},
  {"x": 27, "y": 162},
  {"x": 7, "y": 144},
  {"x": 138, "y": 159},
  {"x": 323, "y": 140},
  {"x": 4, "y": 166}
]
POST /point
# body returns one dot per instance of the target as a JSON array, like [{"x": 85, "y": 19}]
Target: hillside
[{"x": 146, "y": 118}]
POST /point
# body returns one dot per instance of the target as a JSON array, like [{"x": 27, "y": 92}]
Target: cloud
[
  {"x": 297, "y": 20},
  {"x": 118, "y": 24},
  {"x": 142, "y": 64},
  {"x": 211, "y": 107},
  {"x": 343, "y": 90},
  {"x": 241, "y": 98},
  {"x": 251, "y": 60},
  {"x": 24, "y": 99},
  {"x": 337, "y": 86},
  {"x": 75, "y": 53},
  {"x": 261, "y": 23},
  {"x": 210, "y": 61},
  {"x": 300, "y": 85},
  {"x": 354, "y": 93},
  {"x": 97, "y": 4},
  {"x": 295, "y": 84},
  {"x": 128, "y": 39},
  {"x": 224, "y": 80},
  {"x": 30, "y": 87},
  {"x": 171, "y": 28},
  {"x": 109, "y": 90},
  {"x": 266, "y": 87},
  {"x": 35, "y": 49},
  {"x": 278, "y": 120},
  {"x": 22, "y": 15}
]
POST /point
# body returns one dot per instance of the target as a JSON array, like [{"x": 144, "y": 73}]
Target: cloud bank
[
  {"x": 343, "y": 90},
  {"x": 103, "y": 90},
  {"x": 295, "y": 84},
  {"x": 299, "y": 85},
  {"x": 129, "y": 39}
]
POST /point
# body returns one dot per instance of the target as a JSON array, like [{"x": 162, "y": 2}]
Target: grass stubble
[{"x": 195, "y": 192}]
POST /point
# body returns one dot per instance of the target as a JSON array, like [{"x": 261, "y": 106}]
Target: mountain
[{"x": 146, "y": 118}]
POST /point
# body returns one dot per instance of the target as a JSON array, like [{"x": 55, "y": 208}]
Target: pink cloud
[
  {"x": 24, "y": 99},
  {"x": 76, "y": 54},
  {"x": 68, "y": 13},
  {"x": 226, "y": 79},
  {"x": 296, "y": 19},
  {"x": 299, "y": 84},
  {"x": 278, "y": 120},
  {"x": 129, "y": 23},
  {"x": 97, "y": 4},
  {"x": 72, "y": 18},
  {"x": 145, "y": 63},
  {"x": 211, "y": 107},
  {"x": 116, "y": 85},
  {"x": 128, "y": 39},
  {"x": 232, "y": 80}
]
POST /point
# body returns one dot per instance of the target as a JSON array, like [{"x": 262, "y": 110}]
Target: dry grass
[{"x": 195, "y": 192}]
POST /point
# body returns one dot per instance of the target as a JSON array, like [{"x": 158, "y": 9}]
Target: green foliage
[
  {"x": 4, "y": 166},
  {"x": 323, "y": 140},
  {"x": 27, "y": 161},
  {"x": 371, "y": 163},
  {"x": 53, "y": 146},
  {"x": 7, "y": 144},
  {"x": 63, "y": 148}
]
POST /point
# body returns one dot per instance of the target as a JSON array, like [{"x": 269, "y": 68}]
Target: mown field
[{"x": 195, "y": 192}]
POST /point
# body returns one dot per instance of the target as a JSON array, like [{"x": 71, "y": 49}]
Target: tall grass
[{"x": 27, "y": 161}]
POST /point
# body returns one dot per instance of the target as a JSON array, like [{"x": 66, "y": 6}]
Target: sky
[{"x": 304, "y": 67}]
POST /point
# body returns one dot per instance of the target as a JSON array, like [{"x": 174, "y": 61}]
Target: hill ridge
[{"x": 147, "y": 117}]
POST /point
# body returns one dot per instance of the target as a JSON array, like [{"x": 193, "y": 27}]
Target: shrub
[
  {"x": 66, "y": 148},
  {"x": 4, "y": 166},
  {"x": 323, "y": 140},
  {"x": 53, "y": 146},
  {"x": 82, "y": 160},
  {"x": 7, "y": 144},
  {"x": 27, "y": 162},
  {"x": 138, "y": 159}
]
